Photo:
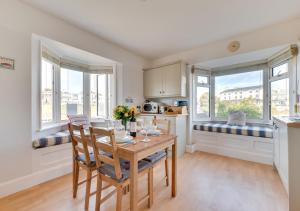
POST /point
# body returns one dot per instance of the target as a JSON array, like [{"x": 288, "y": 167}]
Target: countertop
[
  {"x": 290, "y": 121},
  {"x": 167, "y": 115}
]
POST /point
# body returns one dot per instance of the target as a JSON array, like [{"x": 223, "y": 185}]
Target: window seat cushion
[
  {"x": 247, "y": 130},
  {"x": 58, "y": 138}
]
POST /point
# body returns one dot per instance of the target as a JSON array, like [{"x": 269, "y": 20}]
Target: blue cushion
[
  {"x": 58, "y": 138},
  {"x": 109, "y": 170},
  {"x": 247, "y": 130},
  {"x": 156, "y": 157},
  {"x": 82, "y": 159}
]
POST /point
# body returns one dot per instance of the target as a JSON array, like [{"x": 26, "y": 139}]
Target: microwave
[{"x": 150, "y": 107}]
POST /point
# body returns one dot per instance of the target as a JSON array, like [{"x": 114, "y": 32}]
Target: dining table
[
  {"x": 139, "y": 149},
  {"x": 135, "y": 152}
]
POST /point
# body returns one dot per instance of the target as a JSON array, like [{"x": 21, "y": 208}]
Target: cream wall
[
  {"x": 18, "y": 23},
  {"x": 276, "y": 35}
]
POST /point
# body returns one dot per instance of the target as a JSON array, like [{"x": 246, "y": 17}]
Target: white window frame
[
  {"x": 286, "y": 75},
  {"x": 212, "y": 74},
  {"x": 111, "y": 89},
  {"x": 56, "y": 99},
  {"x": 205, "y": 73}
]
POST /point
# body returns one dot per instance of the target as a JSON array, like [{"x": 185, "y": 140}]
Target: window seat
[
  {"x": 58, "y": 138},
  {"x": 262, "y": 131}
]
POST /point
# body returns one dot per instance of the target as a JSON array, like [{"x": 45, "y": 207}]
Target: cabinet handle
[{"x": 159, "y": 92}]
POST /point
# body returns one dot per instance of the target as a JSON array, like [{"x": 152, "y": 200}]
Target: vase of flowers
[{"x": 123, "y": 113}]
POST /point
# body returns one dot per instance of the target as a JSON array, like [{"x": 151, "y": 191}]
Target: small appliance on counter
[{"x": 150, "y": 107}]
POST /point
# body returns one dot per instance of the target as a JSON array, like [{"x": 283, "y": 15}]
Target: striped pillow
[{"x": 80, "y": 120}]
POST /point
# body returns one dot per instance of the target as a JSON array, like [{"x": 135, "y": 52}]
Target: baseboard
[
  {"x": 190, "y": 148},
  {"x": 18, "y": 184},
  {"x": 234, "y": 153}
]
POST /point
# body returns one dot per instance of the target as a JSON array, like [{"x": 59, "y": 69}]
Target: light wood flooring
[{"x": 206, "y": 182}]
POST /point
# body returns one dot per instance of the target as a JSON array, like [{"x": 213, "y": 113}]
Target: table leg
[
  {"x": 133, "y": 183},
  {"x": 174, "y": 168}
]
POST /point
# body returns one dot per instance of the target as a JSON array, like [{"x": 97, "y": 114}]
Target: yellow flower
[{"x": 126, "y": 114}]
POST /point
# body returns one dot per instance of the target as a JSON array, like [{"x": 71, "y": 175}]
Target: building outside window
[{"x": 244, "y": 83}]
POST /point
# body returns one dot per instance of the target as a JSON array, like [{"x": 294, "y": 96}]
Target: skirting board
[
  {"x": 243, "y": 155},
  {"x": 36, "y": 178}
]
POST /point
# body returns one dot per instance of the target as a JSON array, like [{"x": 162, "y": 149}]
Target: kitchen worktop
[
  {"x": 168, "y": 115},
  {"x": 290, "y": 121}
]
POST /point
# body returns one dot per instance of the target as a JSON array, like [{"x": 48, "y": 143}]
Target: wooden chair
[
  {"x": 164, "y": 126},
  {"x": 114, "y": 170},
  {"x": 83, "y": 159}
]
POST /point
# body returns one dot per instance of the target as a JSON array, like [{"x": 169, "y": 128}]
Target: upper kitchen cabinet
[{"x": 165, "y": 81}]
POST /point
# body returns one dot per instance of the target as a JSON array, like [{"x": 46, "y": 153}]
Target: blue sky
[{"x": 254, "y": 78}]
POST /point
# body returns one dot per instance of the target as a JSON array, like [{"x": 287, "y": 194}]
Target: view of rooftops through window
[{"x": 242, "y": 92}]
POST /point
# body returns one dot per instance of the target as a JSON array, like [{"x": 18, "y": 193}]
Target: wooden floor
[{"x": 206, "y": 182}]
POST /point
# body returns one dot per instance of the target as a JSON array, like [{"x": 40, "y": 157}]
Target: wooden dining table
[
  {"x": 135, "y": 152},
  {"x": 139, "y": 150}
]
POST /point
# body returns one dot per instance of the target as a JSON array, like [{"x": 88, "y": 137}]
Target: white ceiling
[{"x": 156, "y": 28}]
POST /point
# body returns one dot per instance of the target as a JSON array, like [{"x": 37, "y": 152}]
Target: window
[
  {"x": 71, "y": 92},
  {"x": 202, "y": 93},
  {"x": 280, "y": 70},
  {"x": 66, "y": 91},
  {"x": 47, "y": 92},
  {"x": 99, "y": 95},
  {"x": 279, "y": 91},
  {"x": 239, "y": 82}
]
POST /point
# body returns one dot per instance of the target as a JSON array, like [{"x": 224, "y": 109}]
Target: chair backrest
[
  {"x": 79, "y": 119},
  {"x": 110, "y": 147},
  {"x": 79, "y": 142},
  {"x": 163, "y": 125}
]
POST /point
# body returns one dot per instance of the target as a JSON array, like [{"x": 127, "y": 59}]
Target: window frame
[
  {"x": 204, "y": 73},
  {"x": 55, "y": 99},
  {"x": 234, "y": 70},
  {"x": 286, "y": 75},
  {"x": 110, "y": 102}
]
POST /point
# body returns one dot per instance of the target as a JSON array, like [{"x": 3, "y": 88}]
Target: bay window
[
  {"x": 202, "y": 94},
  {"x": 69, "y": 88}
]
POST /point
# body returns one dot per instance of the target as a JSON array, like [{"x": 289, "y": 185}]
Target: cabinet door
[
  {"x": 153, "y": 83},
  {"x": 172, "y": 80},
  {"x": 284, "y": 157},
  {"x": 276, "y": 146}
]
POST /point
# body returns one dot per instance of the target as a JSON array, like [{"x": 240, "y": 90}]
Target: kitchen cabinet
[
  {"x": 177, "y": 126},
  {"x": 287, "y": 156},
  {"x": 281, "y": 151},
  {"x": 165, "y": 81}
]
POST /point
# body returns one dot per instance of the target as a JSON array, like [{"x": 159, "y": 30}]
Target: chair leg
[
  {"x": 167, "y": 169},
  {"x": 119, "y": 198},
  {"x": 76, "y": 176},
  {"x": 88, "y": 189},
  {"x": 98, "y": 193},
  {"x": 150, "y": 187}
]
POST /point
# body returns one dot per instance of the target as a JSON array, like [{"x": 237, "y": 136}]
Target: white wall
[
  {"x": 276, "y": 35},
  {"x": 18, "y": 23}
]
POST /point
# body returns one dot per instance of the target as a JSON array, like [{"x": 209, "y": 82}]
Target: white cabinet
[
  {"x": 165, "y": 81},
  {"x": 178, "y": 127},
  {"x": 281, "y": 151}
]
